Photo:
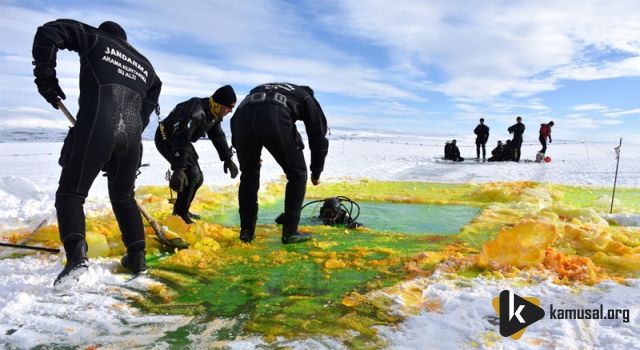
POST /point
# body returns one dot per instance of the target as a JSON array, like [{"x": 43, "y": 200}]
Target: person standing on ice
[
  {"x": 482, "y": 136},
  {"x": 517, "y": 130},
  {"x": 118, "y": 91},
  {"x": 545, "y": 132},
  {"x": 188, "y": 122},
  {"x": 266, "y": 118}
]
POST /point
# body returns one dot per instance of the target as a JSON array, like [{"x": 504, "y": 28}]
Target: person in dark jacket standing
[
  {"x": 482, "y": 136},
  {"x": 545, "y": 132},
  {"x": 118, "y": 91},
  {"x": 188, "y": 122},
  {"x": 517, "y": 130},
  {"x": 266, "y": 118}
]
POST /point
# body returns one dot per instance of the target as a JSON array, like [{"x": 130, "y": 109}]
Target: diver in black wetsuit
[
  {"x": 517, "y": 130},
  {"x": 266, "y": 118},
  {"x": 452, "y": 152},
  {"x": 482, "y": 136},
  {"x": 498, "y": 153},
  {"x": 189, "y": 121},
  {"x": 118, "y": 91}
]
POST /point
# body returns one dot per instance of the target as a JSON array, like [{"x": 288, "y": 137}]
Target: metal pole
[
  {"x": 616, "y": 177},
  {"x": 21, "y": 246},
  {"x": 586, "y": 147}
]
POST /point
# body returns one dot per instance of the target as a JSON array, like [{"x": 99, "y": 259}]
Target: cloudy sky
[{"x": 428, "y": 67}]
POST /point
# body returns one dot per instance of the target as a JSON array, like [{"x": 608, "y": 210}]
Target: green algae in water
[
  {"x": 407, "y": 218},
  {"x": 298, "y": 297}
]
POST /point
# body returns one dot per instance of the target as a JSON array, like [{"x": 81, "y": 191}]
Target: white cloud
[
  {"x": 498, "y": 48},
  {"x": 589, "y": 107},
  {"x": 621, "y": 113},
  {"x": 583, "y": 120},
  {"x": 629, "y": 67},
  {"x": 491, "y": 59},
  {"x": 238, "y": 43}
]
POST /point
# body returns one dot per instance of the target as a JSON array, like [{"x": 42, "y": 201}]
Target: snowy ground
[
  {"x": 466, "y": 317},
  {"x": 32, "y": 313}
]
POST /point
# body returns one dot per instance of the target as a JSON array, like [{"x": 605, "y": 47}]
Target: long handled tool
[
  {"x": 22, "y": 246},
  {"x": 169, "y": 239}
]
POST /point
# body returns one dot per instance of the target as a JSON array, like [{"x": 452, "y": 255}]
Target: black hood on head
[
  {"x": 114, "y": 29},
  {"x": 307, "y": 89}
]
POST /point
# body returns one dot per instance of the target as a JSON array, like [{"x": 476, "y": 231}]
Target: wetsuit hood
[{"x": 114, "y": 29}]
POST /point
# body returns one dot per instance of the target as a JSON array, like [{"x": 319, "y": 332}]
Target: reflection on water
[{"x": 380, "y": 216}]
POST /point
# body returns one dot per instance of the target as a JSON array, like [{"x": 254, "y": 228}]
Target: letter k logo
[{"x": 516, "y": 313}]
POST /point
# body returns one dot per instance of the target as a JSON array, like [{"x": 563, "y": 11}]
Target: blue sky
[{"x": 424, "y": 67}]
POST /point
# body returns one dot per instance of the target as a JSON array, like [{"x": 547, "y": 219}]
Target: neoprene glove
[
  {"x": 230, "y": 166},
  {"x": 50, "y": 90},
  {"x": 178, "y": 180}
]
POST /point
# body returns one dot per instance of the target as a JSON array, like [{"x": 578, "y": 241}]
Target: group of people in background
[{"x": 509, "y": 151}]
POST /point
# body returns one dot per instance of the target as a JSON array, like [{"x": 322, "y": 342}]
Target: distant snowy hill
[
  {"x": 31, "y": 134},
  {"x": 10, "y": 133}
]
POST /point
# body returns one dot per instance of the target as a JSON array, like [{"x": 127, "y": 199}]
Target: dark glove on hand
[
  {"x": 178, "y": 180},
  {"x": 50, "y": 90},
  {"x": 231, "y": 167},
  {"x": 315, "y": 179}
]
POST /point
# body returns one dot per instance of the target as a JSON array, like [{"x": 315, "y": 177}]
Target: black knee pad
[
  {"x": 297, "y": 177},
  {"x": 199, "y": 178},
  {"x": 123, "y": 202},
  {"x": 69, "y": 198}
]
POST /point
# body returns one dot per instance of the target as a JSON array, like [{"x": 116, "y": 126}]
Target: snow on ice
[{"x": 36, "y": 314}]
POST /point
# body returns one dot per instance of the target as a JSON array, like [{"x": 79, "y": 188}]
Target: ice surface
[{"x": 33, "y": 313}]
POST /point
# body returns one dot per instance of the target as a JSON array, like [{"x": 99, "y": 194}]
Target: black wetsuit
[
  {"x": 482, "y": 136},
  {"x": 188, "y": 122},
  {"x": 448, "y": 151},
  {"x": 452, "y": 152},
  {"x": 497, "y": 154},
  {"x": 118, "y": 91},
  {"x": 266, "y": 118},
  {"x": 507, "y": 151},
  {"x": 517, "y": 129}
]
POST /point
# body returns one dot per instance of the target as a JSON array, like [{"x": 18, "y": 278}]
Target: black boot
[
  {"x": 296, "y": 237},
  {"x": 291, "y": 235},
  {"x": 135, "y": 262},
  {"x": 247, "y": 234},
  {"x": 77, "y": 264},
  {"x": 194, "y": 216},
  {"x": 185, "y": 217}
]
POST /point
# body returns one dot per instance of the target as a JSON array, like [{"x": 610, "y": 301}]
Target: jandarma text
[{"x": 589, "y": 314}]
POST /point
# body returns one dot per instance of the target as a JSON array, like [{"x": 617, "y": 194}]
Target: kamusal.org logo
[
  {"x": 588, "y": 314},
  {"x": 516, "y": 313}
]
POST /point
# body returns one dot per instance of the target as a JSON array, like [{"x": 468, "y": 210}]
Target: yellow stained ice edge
[{"x": 540, "y": 229}]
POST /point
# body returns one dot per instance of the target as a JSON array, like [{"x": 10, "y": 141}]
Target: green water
[
  {"x": 288, "y": 290},
  {"x": 380, "y": 216}
]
